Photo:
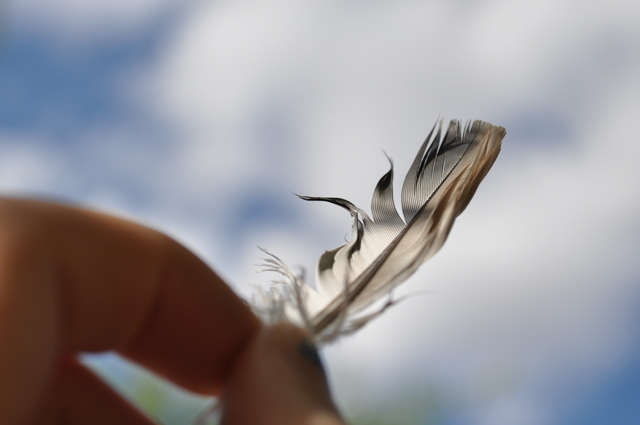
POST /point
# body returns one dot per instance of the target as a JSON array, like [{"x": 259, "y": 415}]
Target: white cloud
[
  {"x": 25, "y": 167},
  {"x": 534, "y": 277}
]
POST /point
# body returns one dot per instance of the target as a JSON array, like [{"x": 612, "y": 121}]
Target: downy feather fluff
[{"x": 385, "y": 248}]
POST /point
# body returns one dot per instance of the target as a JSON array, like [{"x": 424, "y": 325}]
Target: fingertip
[
  {"x": 197, "y": 328},
  {"x": 279, "y": 379}
]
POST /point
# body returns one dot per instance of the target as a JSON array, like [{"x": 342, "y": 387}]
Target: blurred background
[{"x": 199, "y": 118}]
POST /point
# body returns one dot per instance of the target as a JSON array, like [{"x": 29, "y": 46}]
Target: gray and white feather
[{"x": 386, "y": 248}]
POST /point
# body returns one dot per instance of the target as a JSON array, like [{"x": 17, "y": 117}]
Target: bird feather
[{"x": 385, "y": 248}]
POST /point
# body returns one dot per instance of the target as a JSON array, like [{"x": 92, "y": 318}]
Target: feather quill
[{"x": 386, "y": 248}]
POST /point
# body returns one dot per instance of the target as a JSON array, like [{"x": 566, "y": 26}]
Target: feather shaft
[{"x": 386, "y": 249}]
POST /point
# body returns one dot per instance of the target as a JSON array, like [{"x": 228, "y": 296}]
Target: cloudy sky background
[{"x": 201, "y": 117}]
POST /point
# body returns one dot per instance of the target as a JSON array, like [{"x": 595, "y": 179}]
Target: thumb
[{"x": 279, "y": 380}]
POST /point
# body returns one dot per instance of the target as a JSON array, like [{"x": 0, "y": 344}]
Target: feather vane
[{"x": 386, "y": 248}]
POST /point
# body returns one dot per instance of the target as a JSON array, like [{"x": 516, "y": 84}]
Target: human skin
[{"x": 75, "y": 281}]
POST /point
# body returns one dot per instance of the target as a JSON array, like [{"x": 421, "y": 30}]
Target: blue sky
[{"x": 200, "y": 118}]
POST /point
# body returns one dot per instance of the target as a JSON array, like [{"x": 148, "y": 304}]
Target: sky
[{"x": 200, "y": 118}]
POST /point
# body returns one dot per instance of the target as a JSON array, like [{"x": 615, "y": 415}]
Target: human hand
[{"x": 74, "y": 281}]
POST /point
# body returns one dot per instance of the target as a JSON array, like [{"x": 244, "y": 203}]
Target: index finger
[{"x": 73, "y": 280}]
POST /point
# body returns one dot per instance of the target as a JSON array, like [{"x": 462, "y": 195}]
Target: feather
[{"x": 386, "y": 248}]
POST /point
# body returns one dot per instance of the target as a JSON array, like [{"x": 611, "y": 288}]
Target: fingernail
[{"x": 308, "y": 350}]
